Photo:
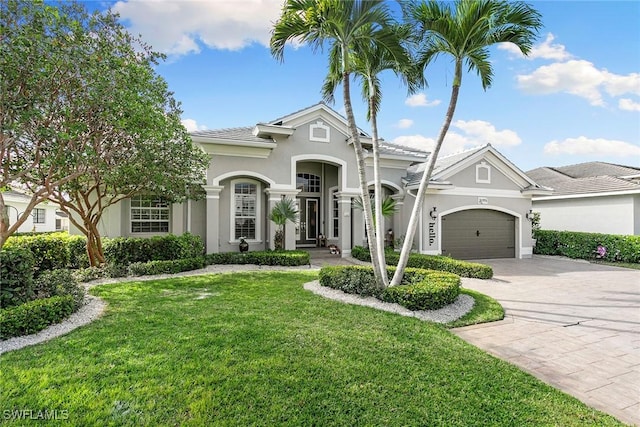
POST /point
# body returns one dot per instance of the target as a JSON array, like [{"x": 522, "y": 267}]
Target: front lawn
[{"x": 257, "y": 349}]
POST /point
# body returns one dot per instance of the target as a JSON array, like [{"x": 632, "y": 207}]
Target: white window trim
[
  {"x": 485, "y": 166},
  {"x": 333, "y": 217},
  {"x": 319, "y": 125},
  {"x": 232, "y": 210},
  {"x": 148, "y": 233}
]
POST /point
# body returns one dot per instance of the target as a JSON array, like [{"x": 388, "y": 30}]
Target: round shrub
[
  {"x": 420, "y": 289},
  {"x": 34, "y": 316},
  {"x": 58, "y": 283}
]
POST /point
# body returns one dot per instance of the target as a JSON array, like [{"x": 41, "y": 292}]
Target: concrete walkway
[{"x": 572, "y": 324}]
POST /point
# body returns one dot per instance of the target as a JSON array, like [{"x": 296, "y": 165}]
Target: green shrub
[
  {"x": 165, "y": 267},
  {"x": 357, "y": 279},
  {"x": 34, "y": 316},
  {"x": 432, "y": 262},
  {"x": 16, "y": 276},
  {"x": 282, "y": 258},
  {"x": 127, "y": 250},
  {"x": 89, "y": 273},
  {"x": 434, "y": 291},
  {"x": 78, "y": 257},
  {"x": 58, "y": 283},
  {"x": 50, "y": 251},
  {"x": 575, "y": 244},
  {"x": 420, "y": 289}
]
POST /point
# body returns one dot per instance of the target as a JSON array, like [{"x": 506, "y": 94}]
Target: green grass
[
  {"x": 257, "y": 349},
  {"x": 485, "y": 309}
]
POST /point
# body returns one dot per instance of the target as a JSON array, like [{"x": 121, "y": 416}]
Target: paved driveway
[{"x": 572, "y": 324}]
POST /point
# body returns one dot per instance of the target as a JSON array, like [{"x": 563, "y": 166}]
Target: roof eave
[
  {"x": 262, "y": 130},
  {"x": 236, "y": 142}
]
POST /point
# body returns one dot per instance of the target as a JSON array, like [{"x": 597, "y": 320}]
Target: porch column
[
  {"x": 399, "y": 227},
  {"x": 344, "y": 209},
  {"x": 212, "y": 218}
]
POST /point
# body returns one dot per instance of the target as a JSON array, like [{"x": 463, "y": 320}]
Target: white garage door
[{"x": 478, "y": 234}]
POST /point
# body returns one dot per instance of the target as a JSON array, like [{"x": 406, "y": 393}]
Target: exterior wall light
[
  {"x": 529, "y": 215},
  {"x": 433, "y": 214}
]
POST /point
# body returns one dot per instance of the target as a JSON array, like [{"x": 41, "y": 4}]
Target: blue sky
[{"x": 575, "y": 99}]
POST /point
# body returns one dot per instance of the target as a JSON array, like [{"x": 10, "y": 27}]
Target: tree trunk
[
  {"x": 94, "y": 245},
  {"x": 364, "y": 190},
  {"x": 426, "y": 176},
  {"x": 377, "y": 191}
]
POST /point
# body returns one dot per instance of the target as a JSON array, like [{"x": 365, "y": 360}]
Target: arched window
[
  {"x": 308, "y": 183},
  {"x": 245, "y": 210}
]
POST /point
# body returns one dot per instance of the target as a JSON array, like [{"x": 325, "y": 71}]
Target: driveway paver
[{"x": 572, "y": 324}]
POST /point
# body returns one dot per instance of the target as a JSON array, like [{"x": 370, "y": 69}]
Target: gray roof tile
[
  {"x": 236, "y": 134},
  {"x": 586, "y": 178}
]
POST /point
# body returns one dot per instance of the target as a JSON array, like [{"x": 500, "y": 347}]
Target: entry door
[{"x": 309, "y": 221}]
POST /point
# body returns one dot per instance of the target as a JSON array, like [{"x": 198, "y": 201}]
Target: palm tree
[
  {"x": 368, "y": 61},
  {"x": 465, "y": 33},
  {"x": 284, "y": 210},
  {"x": 343, "y": 24}
]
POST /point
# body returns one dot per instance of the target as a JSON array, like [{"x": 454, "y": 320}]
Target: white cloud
[
  {"x": 191, "y": 125},
  {"x": 580, "y": 78},
  {"x": 420, "y": 100},
  {"x": 545, "y": 50},
  {"x": 587, "y": 146},
  {"x": 474, "y": 133},
  {"x": 404, "y": 123},
  {"x": 628, "y": 105},
  {"x": 181, "y": 27},
  {"x": 481, "y": 132}
]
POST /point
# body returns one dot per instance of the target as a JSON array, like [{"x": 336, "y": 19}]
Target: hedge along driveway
[{"x": 256, "y": 349}]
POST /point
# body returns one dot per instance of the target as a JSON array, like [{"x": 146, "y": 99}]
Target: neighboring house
[
  {"x": 42, "y": 218},
  {"x": 476, "y": 207},
  {"x": 595, "y": 197}
]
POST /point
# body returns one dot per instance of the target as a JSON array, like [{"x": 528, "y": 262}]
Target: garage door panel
[{"x": 478, "y": 234}]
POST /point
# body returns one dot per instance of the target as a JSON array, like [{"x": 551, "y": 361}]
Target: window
[
  {"x": 245, "y": 213},
  {"x": 38, "y": 216},
  {"x": 335, "y": 214},
  {"x": 149, "y": 214},
  {"x": 308, "y": 183}
]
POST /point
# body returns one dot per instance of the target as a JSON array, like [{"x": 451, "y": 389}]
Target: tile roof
[
  {"x": 414, "y": 173},
  {"x": 586, "y": 178},
  {"x": 401, "y": 150},
  {"x": 237, "y": 134}
]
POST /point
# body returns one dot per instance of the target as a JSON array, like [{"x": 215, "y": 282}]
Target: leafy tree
[
  {"x": 284, "y": 210},
  {"x": 343, "y": 25},
  {"x": 115, "y": 127},
  {"x": 464, "y": 32},
  {"x": 39, "y": 131}
]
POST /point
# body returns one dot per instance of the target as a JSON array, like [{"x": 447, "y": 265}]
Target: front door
[{"x": 308, "y": 228}]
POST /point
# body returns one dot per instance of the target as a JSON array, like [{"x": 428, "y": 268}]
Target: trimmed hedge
[
  {"x": 128, "y": 250},
  {"x": 50, "y": 251},
  {"x": 283, "y": 258},
  {"x": 165, "y": 267},
  {"x": 34, "y": 316},
  {"x": 16, "y": 276},
  {"x": 573, "y": 244},
  {"x": 432, "y": 262},
  {"x": 421, "y": 289}
]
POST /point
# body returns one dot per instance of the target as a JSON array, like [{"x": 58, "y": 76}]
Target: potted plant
[{"x": 244, "y": 246}]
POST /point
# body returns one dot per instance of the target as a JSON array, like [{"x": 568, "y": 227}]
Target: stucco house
[
  {"x": 42, "y": 218},
  {"x": 595, "y": 197},
  {"x": 477, "y": 204}
]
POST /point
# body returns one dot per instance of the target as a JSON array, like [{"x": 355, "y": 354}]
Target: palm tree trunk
[
  {"x": 364, "y": 190},
  {"x": 377, "y": 192},
  {"x": 426, "y": 176}
]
